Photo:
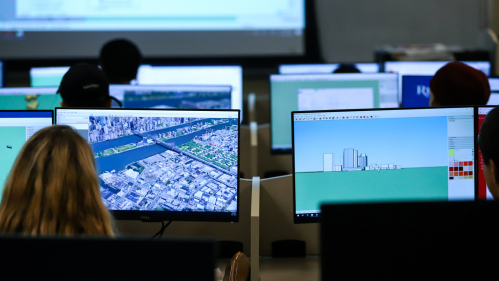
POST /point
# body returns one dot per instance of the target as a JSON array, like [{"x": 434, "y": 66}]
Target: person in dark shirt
[
  {"x": 120, "y": 60},
  {"x": 459, "y": 84},
  {"x": 488, "y": 141}
]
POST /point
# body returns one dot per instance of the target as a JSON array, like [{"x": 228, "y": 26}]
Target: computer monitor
[
  {"x": 381, "y": 155},
  {"x": 163, "y": 164},
  {"x": 416, "y": 91},
  {"x": 47, "y": 76},
  {"x": 325, "y": 68},
  {"x": 94, "y": 258},
  {"x": 325, "y": 91},
  {"x": 427, "y": 68},
  {"x": 16, "y": 127},
  {"x": 483, "y": 191},
  {"x": 1, "y": 74},
  {"x": 408, "y": 241},
  {"x": 195, "y": 75},
  {"x": 172, "y": 96},
  {"x": 40, "y": 98}
]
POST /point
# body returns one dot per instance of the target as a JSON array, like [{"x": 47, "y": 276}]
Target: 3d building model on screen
[
  {"x": 352, "y": 161},
  {"x": 166, "y": 164}
]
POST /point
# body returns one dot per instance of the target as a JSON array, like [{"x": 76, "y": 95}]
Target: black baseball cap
[{"x": 85, "y": 85}]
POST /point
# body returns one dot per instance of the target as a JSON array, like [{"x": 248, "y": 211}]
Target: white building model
[{"x": 352, "y": 161}]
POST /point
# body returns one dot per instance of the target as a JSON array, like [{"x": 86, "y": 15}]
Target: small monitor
[
  {"x": 47, "y": 76},
  {"x": 325, "y": 68},
  {"x": 427, "y": 68},
  {"x": 494, "y": 88},
  {"x": 1, "y": 74},
  {"x": 195, "y": 75},
  {"x": 483, "y": 191},
  {"x": 416, "y": 91},
  {"x": 322, "y": 92},
  {"x": 171, "y": 96},
  {"x": 163, "y": 164},
  {"x": 382, "y": 155},
  {"x": 39, "y": 98},
  {"x": 16, "y": 127}
]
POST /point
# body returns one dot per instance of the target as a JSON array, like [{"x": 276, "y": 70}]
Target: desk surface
[{"x": 288, "y": 269}]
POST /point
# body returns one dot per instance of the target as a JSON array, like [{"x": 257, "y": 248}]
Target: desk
[{"x": 286, "y": 269}]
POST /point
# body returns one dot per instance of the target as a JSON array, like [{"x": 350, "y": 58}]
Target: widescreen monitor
[
  {"x": 381, "y": 155},
  {"x": 176, "y": 96},
  {"x": 163, "y": 164},
  {"x": 325, "y": 68},
  {"x": 195, "y": 75},
  {"x": 483, "y": 190},
  {"x": 47, "y": 76},
  {"x": 427, "y": 68},
  {"x": 16, "y": 127},
  {"x": 44, "y": 29},
  {"x": 322, "y": 92},
  {"x": 416, "y": 91},
  {"x": 40, "y": 98}
]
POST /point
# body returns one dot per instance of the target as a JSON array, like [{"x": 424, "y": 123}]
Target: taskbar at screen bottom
[
  {"x": 307, "y": 217},
  {"x": 175, "y": 216}
]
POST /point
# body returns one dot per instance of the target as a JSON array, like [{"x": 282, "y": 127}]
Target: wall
[{"x": 351, "y": 29}]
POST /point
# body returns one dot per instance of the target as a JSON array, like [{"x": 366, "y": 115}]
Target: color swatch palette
[{"x": 461, "y": 170}]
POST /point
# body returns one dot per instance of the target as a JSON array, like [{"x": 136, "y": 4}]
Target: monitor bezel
[
  {"x": 404, "y": 92},
  {"x": 176, "y": 215},
  {"x": 477, "y": 148},
  {"x": 287, "y": 151},
  {"x": 300, "y": 220}
]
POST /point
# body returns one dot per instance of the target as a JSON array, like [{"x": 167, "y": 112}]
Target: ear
[
  {"x": 63, "y": 104},
  {"x": 493, "y": 169},
  {"x": 109, "y": 103}
]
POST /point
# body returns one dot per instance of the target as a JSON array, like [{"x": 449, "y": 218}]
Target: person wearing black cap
[
  {"x": 488, "y": 141},
  {"x": 120, "y": 60},
  {"x": 85, "y": 85}
]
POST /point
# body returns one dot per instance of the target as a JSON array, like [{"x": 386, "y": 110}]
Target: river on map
[
  {"x": 121, "y": 160},
  {"x": 100, "y": 146}
]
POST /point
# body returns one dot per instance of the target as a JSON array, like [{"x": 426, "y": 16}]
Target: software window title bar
[
  {"x": 147, "y": 113},
  {"x": 370, "y": 114}
]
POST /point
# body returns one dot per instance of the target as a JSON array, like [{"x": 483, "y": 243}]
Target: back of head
[
  {"x": 84, "y": 85},
  {"x": 347, "y": 68},
  {"x": 53, "y": 188},
  {"x": 120, "y": 59},
  {"x": 459, "y": 84},
  {"x": 489, "y": 137}
]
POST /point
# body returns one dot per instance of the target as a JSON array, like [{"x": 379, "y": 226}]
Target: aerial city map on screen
[{"x": 166, "y": 163}]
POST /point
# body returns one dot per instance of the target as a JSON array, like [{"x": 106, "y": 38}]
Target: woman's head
[
  {"x": 53, "y": 188},
  {"x": 459, "y": 84}
]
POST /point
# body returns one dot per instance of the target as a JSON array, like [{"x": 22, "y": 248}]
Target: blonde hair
[{"x": 53, "y": 188}]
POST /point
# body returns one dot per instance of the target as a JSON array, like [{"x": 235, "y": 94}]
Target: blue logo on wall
[{"x": 416, "y": 91}]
